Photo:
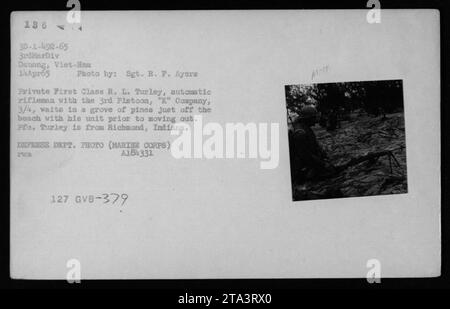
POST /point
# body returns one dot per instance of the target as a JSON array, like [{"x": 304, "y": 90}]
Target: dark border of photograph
[{"x": 287, "y": 290}]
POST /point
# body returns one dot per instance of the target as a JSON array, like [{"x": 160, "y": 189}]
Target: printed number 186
[{"x": 35, "y": 24}]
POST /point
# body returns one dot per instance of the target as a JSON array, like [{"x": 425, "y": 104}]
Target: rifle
[{"x": 368, "y": 157}]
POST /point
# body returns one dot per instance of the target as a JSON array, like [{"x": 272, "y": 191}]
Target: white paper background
[{"x": 228, "y": 218}]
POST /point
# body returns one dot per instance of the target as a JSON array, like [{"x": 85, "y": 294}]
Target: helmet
[{"x": 308, "y": 111}]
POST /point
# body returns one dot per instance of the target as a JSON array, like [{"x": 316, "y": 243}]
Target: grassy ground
[{"x": 359, "y": 136}]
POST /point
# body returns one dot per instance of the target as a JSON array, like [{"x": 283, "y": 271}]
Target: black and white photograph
[{"x": 346, "y": 139}]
